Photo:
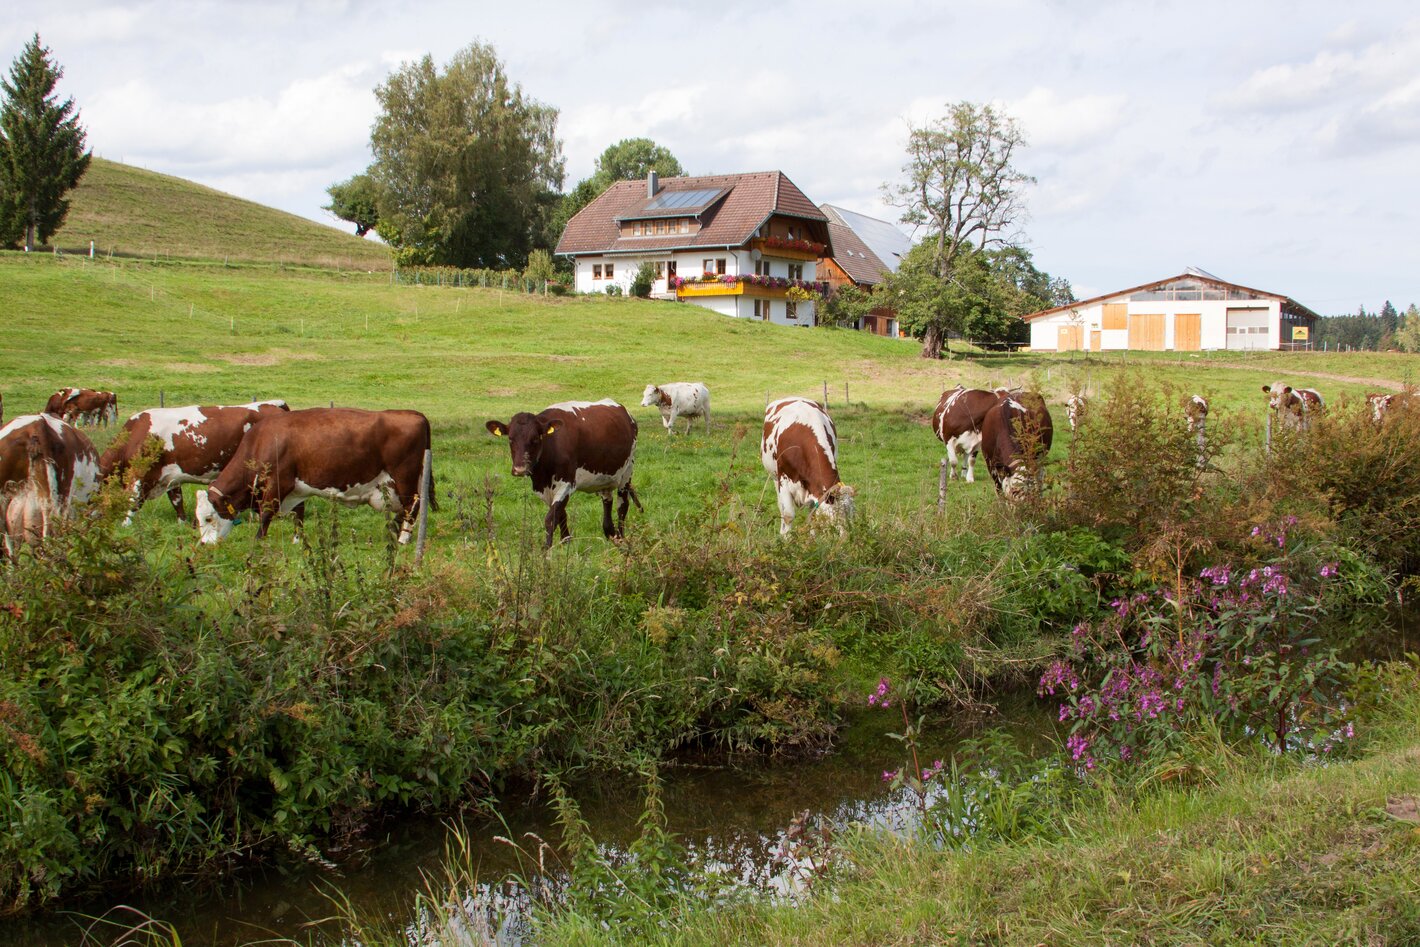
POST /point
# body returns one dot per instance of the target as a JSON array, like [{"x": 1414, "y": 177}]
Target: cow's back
[
  {"x": 596, "y": 438},
  {"x": 76, "y": 462},
  {"x": 961, "y": 410},
  {"x": 797, "y": 425}
]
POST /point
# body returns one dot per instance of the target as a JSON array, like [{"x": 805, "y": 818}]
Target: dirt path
[{"x": 1330, "y": 376}]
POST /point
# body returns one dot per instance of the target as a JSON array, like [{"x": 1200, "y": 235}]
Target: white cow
[{"x": 679, "y": 399}]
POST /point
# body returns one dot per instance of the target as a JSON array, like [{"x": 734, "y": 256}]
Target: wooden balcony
[
  {"x": 806, "y": 251},
  {"x": 717, "y": 288}
]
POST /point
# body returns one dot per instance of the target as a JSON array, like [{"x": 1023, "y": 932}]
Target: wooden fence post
[
  {"x": 1269, "y": 432},
  {"x": 825, "y": 392},
  {"x": 425, "y": 486},
  {"x": 942, "y": 485},
  {"x": 160, "y": 397}
]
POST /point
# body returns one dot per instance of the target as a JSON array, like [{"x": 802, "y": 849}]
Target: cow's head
[
  {"x": 274, "y": 406},
  {"x": 1279, "y": 395},
  {"x": 652, "y": 395},
  {"x": 526, "y": 436},
  {"x": 836, "y": 504},
  {"x": 216, "y": 515}
]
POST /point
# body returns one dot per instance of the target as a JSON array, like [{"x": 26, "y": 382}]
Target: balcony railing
[
  {"x": 774, "y": 287},
  {"x": 787, "y": 249}
]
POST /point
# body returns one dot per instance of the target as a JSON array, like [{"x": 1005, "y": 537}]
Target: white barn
[{"x": 1192, "y": 311}]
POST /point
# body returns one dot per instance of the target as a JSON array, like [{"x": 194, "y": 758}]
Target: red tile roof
[
  {"x": 729, "y": 222},
  {"x": 854, "y": 256}
]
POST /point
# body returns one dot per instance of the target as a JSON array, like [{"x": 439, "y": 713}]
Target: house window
[
  {"x": 670, "y": 268},
  {"x": 660, "y": 227},
  {"x": 707, "y": 267},
  {"x": 791, "y": 310},
  {"x": 761, "y": 268},
  {"x": 684, "y": 225},
  {"x": 608, "y": 271},
  {"x": 796, "y": 271},
  {"x": 660, "y": 270},
  {"x": 596, "y": 271},
  {"x": 790, "y": 231},
  {"x": 761, "y": 309},
  {"x": 720, "y": 266}
]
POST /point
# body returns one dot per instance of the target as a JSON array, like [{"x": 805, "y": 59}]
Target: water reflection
[{"x": 731, "y": 815}]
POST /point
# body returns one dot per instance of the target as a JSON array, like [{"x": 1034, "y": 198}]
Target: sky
[{"x": 1274, "y": 144}]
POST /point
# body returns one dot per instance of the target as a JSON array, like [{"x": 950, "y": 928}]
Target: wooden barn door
[
  {"x": 1094, "y": 340},
  {"x": 1068, "y": 339},
  {"x": 1187, "y": 331},
  {"x": 1146, "y": 331}
]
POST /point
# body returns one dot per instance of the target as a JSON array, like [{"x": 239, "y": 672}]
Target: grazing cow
[
  {"x": 1380, "y": 404},
  {"x": 1015, "y": 437},
  {"x": 196, "y": 443},
  {"x": 348, "y": 455},
  {"x": 1075, "y": 410},
  {"x": 680, "y": 399},
  {"x": 83, "y": 406},
  {"x": 1196, "y": 411},
  {"x": 1294, "y": 404},
  {"x": 587, "y": 446},
  {"x": 46, "y": 466},
  {"x": 799, "y": 449},
  {"x": 957, "y": 423}
]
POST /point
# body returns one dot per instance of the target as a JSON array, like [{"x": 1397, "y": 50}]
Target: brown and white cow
[
  {"x": 679, "y": 399},
  {"x": 1196, "y": 411},
  {"x": 347, "y": 455},
  {"x": 83, "y": 406},
  {"x": 572, "y": 446},
  {"x": 46, "y": 466},
  {"x": 1075, "y": 410},
  {"x": 196, "y": 442},
  {"x": 799, "y": 449},
  {"x": 1295, "y": 405},
  {"x": 1015, "y": 437},
  {"x": 957, "y": 423},
  {"x": 1380, "y": 404}
]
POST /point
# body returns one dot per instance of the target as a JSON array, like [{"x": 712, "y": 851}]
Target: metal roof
[{"x": 886, "y": 242}]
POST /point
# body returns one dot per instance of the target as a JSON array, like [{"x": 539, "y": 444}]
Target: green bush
[{"x": 644, "y": 279}]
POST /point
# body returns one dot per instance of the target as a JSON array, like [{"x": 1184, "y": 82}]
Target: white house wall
[
  {"x": 1213, "y": 322},
  {"x": 690, "y": 264}
]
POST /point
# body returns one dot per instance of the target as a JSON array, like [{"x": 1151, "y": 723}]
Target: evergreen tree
[{"x": 42, "y": 154}]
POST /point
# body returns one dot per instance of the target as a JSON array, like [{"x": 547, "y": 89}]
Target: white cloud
[
  {"x": 312, "y": 121},
  {"x": 1055, "y": 122}
]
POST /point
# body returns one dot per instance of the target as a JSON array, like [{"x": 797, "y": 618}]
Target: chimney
[{"x": 653, "y": 184}]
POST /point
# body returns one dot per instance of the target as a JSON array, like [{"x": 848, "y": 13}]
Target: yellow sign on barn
[{"x": 1300, "y": 333}]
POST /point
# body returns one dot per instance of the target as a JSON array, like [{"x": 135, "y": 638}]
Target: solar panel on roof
[{"x": 671, "y": 199}]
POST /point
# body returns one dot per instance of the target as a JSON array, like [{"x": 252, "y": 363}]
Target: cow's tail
[{"x": 631, "y": 492}]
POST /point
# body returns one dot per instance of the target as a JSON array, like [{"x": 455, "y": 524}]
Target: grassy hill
[{"x": 134, "y": 212}]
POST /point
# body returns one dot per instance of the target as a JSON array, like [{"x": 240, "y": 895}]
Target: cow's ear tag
[
  {"x": 551, "y": 428},
  {"x": 231, "y": 510}
]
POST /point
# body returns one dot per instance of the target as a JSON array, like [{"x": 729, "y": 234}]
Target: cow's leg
[
  {"x": 671, "y": 417},
  {"x": 625, "y": 495},
  {"x": 787, "y": 508},
  {"x": 562, "y": 518},
  {"x": 608, "y": 530},
  {"x": 175, "y": 498},
  {"x": 971, "y": 463},
  {"x": 549, "y": 523},
  {"x": 952, "y": 457},
  {"x": 299, "y": 513}
]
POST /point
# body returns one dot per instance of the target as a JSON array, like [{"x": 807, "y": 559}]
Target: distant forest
[{"x": 1376, "y": 331}]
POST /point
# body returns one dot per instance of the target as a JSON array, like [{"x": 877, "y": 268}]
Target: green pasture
[{"x": 201, "y": 333}]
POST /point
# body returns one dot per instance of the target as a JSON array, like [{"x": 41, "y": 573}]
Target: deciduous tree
[
  {"x": 42, "y": 154},
  {"x": 627, "y": 160},
  {"x": 356, "y": 200},
  {"x": 469, "y": 168},
  {"x": 963, "y": 187}
]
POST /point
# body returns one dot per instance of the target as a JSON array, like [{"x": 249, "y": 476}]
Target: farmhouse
[
  {"x": 745, "y": 245},
  {"x": 1185, "y": 313},
  {"x": 861, "y": 251}
]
